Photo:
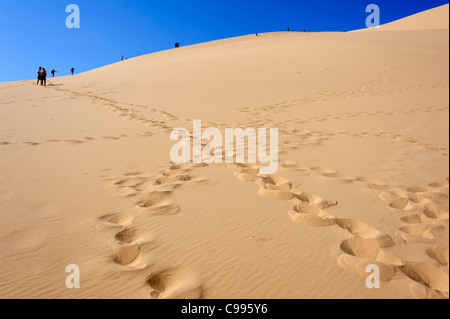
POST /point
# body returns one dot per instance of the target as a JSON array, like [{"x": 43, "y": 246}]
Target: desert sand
[{"x": 363, "y": 119}]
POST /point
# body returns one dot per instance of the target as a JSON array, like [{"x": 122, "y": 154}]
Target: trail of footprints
[
  {"x": 399, "y": 138},
  {"x": 315, "y": 138},
  {"x": 81, "y": 140},
  {"x": 303, "y": 138},
  {"x": 131, "y": 246},
  {"x": 424, "y": 210},
  {"x": 130, "y": 111},
  {"x": 261, "y": 118},
  {"x": 307, "y": 138},
  {"x": 364, "y": 90}
]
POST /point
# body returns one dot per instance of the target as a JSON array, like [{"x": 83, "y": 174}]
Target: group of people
[
  {"x": 289, "y": 29},
  {"x": 42, "y": 75}
]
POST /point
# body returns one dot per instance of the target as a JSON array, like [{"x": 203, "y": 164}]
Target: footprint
[
  {"x": 177, "y": 167},
  {"x": 117, "y": 219},
  {"x": 289, "y": 164},
  {"x": 411, "y": 219},
  {"x": 157, "y": 203},
  {"x": 173, "y": 172},
  {"x": 438, "y": 185},
  {"x": 169, "y": 284},
  {"x": 126, "y": 254},
  {"x": 275, "y": 194},
  {"x": 437, "y": 197},
  {"x": 365, "y": 231},
  {"x": 419, "y": 233},
  {"x": 245, "y": 177},
  {"x": 154, "y": 198},
  {"x": 160, "y": 210},
  {"x": 175, "y": 179},
  {"x": 436, "y": 212},
  {"x": 401, "y": 204},
  {"x": 417, "y": 198},
  {"x": 131, "y": 182},
  {"x": 128, "y": 235},
  {"x": 328, "y": 172},
  {"x": 427, "y": 274},
  {"x": 422, "y": 292},
  {"x": 286, "y": 187},
  {"x": 346, "y": 179},
  {"x": 359, "y": 265},
  {"x": 419, "y": 189},
  {"x": 134, "y": 173},
  {"x": 74, "y": 142},
  {"x": 368, "y": 249},
  {"x": 252, "y": 169},
  {"x": 31, "y": 143},
  {"x": 389, "y": 197},
  {"x": 373, "y": 183},
  {"x": 310, "y": 215},
  {"x": 308, "y": 197},
  {"x": 441, "y": 256}
]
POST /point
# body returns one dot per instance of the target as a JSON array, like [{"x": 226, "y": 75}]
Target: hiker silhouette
[
  {"x": 53, "y": 73},
  {"x": 43, "y": 77},
  {"x": 72, "y": 70},
  {"x": 177, "y": 45},
  {"x": 39, "y": 74}
]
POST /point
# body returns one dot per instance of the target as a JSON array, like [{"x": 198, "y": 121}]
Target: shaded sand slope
[{"x": 86, "y": 178}]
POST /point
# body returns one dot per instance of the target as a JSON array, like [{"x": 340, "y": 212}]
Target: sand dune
[
  {"x": 433, "y": 19},
  {"x": 86, "y": 177}
]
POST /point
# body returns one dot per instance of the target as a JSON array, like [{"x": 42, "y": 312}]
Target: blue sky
[{"x": 33, "y": 33}]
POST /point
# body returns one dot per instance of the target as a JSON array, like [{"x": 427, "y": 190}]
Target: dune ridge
[{"x": 433, "y": 19}]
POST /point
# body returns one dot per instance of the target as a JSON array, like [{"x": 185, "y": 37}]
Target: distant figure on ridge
[
  {"x": 39, "y": 73},
  {"x": 288, "y": 29},
  {"x": 304, "y": 30},
  {"x": 121, "y": 59},
  {"x": 44, "y": 77},
  {"x": 53, "y": 73},
  {"x": 177, "y": 45},
  {"x": 257, "y": 34},
  {"x": 72, "y": 70}
]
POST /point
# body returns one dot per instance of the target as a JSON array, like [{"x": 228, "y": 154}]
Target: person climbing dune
[
  {"x": 44, "y": 77},
  {"x": 39, "y": 73}
]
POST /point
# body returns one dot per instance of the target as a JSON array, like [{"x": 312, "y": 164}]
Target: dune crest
[{"x": 433, "y": 19}]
